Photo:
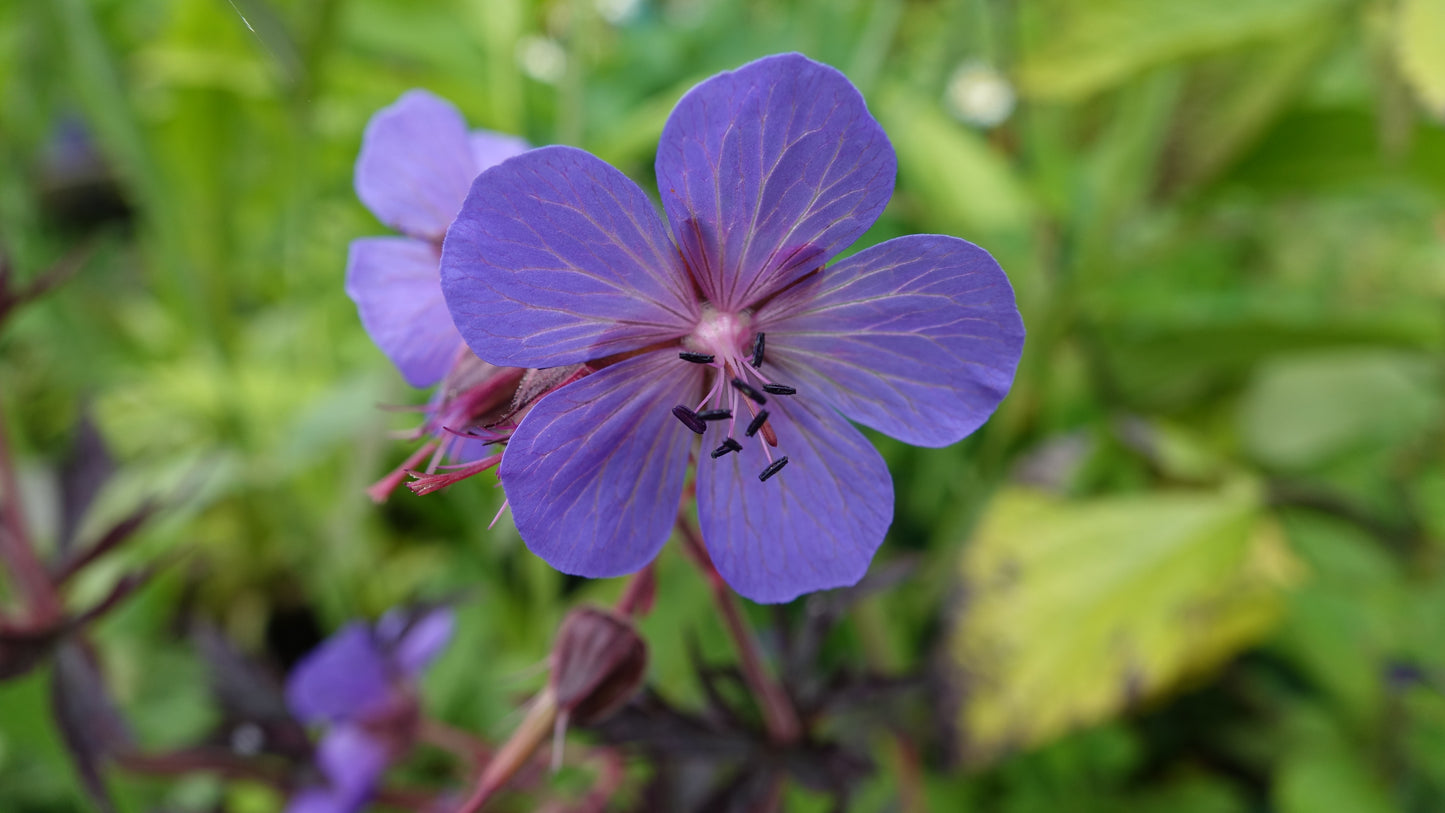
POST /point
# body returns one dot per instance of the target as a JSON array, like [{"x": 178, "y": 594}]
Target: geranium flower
[
  {"x": 417, "y": 160},
  {"x": 359, "y": 683},
  {"x": 727, "y": 321}
]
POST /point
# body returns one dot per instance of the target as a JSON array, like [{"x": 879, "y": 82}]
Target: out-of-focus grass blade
[
  {"x": 963, "y": 184},
  {"x": 1094, "y": 45}
]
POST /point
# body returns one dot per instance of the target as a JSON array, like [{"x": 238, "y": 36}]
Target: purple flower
[
  {"x": 359, "y": 684},
  {"x": 727, "y": 321},
  {"x": 417, "y": 161}
]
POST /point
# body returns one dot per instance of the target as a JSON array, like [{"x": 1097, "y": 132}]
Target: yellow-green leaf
[
  {"x": 1420, "y": 40},
  {"x": 1075, "y": 609}
]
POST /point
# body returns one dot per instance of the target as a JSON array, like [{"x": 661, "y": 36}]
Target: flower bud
[{"x": 598, "y": 663}]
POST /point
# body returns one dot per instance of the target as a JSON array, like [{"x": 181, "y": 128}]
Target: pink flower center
[{"x": 725, "y": 342}]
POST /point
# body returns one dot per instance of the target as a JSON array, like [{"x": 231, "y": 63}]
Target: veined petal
[
  {"x": 396, "y": 285},
  {"x": 415, "y": 164},
  {"x": 557, "y": 258},
  {"x": 490, "y": 149},
  {"x": 812, "y": 526},
  {"x": 594, "y": 473},
  {"x": 917, "y": 337},
  {"x": 343, "y": 679},
  {"x": 767, "y": 171}
]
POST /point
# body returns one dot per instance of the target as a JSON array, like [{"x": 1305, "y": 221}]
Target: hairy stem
[{"x": 778, "y": 713}]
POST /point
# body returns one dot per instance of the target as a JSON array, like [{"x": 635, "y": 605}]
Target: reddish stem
[
  {"x": 535, "y": 728},
  {"x": 636, "y": 599},
  {"x": 460, "y": 743},
  {"x": 778, "y": 713}
]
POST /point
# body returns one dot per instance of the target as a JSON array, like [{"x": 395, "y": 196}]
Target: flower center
[{"x": 725, "y": 342}]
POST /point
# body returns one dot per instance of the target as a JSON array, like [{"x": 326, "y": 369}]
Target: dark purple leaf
[
  {"x": 85, "y": 470},
  {"x": 90, "y": 724},
  {"x": 22, "y": 649},
  {"x": 256, "y": 719},
  {"x": 108, "y": 541}
]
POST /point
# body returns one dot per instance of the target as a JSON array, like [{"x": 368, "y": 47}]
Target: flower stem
[
  {"x": 778, "y": 713},
  {"x": 636, "y": 599},
  {"x": 536, "y": 727},
  {"x": 28, "y": 572}
]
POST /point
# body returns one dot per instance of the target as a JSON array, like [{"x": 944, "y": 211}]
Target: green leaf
[
  {"x": 1093, "y": 45},
  {"x": 1302, "y": 411},
  {"x": 1077, "y": 609},
  {"x": 1329, "y": 780},
  {"x": 1420, "y": 42}
]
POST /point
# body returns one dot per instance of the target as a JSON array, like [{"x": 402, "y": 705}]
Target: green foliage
[{"x": 1195, "y": 563}]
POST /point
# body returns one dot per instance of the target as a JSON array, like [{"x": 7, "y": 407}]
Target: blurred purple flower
[
  {"x": 359, "y": 683},
  {"x": 417, "y": 160},
  {"x": 732, "y": 324}
]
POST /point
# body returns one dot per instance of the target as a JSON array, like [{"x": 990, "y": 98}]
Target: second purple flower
[{"x": 726, "y": 321}]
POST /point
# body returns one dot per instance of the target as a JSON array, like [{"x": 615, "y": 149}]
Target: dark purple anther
[
  {"x": 757, "y": 359},
  {"x": 758, "y": 421},
  {"x": 773, "y": 468},
  {"x": 750, "y": 391},
  {"x": 695, "y": 358},
  {"x": 715, "y": 414},
  {"x": 779, "y": 389},
  {"x": 689, "y": 419},
  {"x": 728, "y": 445}
]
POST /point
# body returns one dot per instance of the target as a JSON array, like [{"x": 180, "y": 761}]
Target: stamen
[
  {"x": 749, "y": 390},
  {"x": 689, "y": 419},
  {"x": 779, "y": 389},
  {"x": 695, "y": 358},
  {"x": 728, "y": 445},
  {"x": 758, "y": 421},
  {"x": 715, "y": 414},
  {"x": 757, "y": 359},
  {"x": 773, "y": 468}
]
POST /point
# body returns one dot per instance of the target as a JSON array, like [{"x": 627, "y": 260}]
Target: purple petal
[
  {"x": 343, "y": 679},
  {"x": 814, "y": 525},
  {"x": 396, "y": 285},
  {"x": 557, "y": 258},
  {"x": 490, "y": 149},
  {"x": 416, "y": 164},
  {"x": 352, "y": 762},
  {"x": 767, "y": 171},
  {"x": 415, "y": 641},
  {"x": 917, "y": 337},
  {"x": 594, "y": 473}
]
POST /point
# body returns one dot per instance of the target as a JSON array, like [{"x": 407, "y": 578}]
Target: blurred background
[{"x": 1194, "y": 563}]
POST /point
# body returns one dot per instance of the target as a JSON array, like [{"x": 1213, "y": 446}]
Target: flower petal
[
  {"x": 343, "y": 679},
  {"x": 557, "y": 258},
  {"x": 767, "y": 171},
  {"x": 490, "y": 149},
  {"x": 352, "y": 762},
  {"x": 594, "y": 473},
  {"x": 813, "y": 525},
  {"x": 415, "y": 165},
  {"x": 415, "y": 640},
  {"x": 396, "y": 286},
  {"x": 917, "y": 337}
]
